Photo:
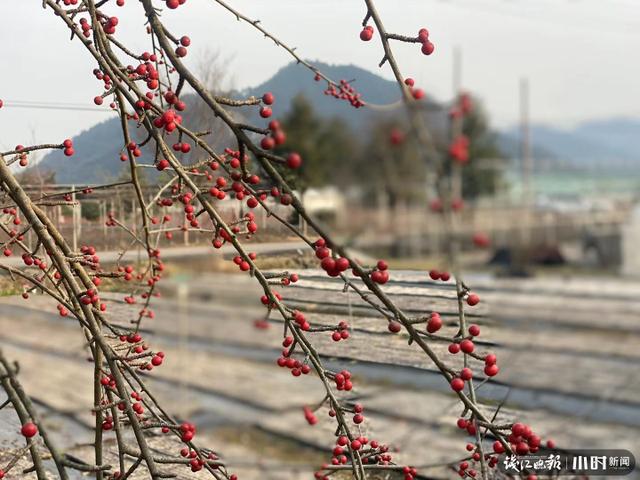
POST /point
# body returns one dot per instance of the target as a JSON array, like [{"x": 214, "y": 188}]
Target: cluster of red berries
[
  {"x": 343, "y": 380},
  {"x": 342, "y": 332},
  {"x": 381, "y": 274},
  {"x": 344, "y": 91},
  {"x": 173, "y": 4},
  {"x": 107, "y": 86},
  {"x": 285, "y": 360},
  {"x": 427, "y": 46},
  {"x": 522, "y": 440},
  {"x": 109, "y": 25},
  {"x": 434, "y": 323},
  {"x": 292, "y": 278},
  {"x": 188, "y": 431},
  {"x": 90, "y": 297},
  {"x": 459, "y": 149},
  {"x": 264, "y": 299},
  {"x": 367, "y": 33},
  {"x": 29, "y": 260},
  {"x": 358, "y": 417},
  {"x": 276, "y": 136},
  {"x": 107, "y": 424},
  {"x": 181, "y": 147},
  {"x": 169, "y": 120},
  {"x": 298, "y": 317},
  {"x": 417, "y": 93},
  {"x": 85, "y": 26},
  {"x": 197, "y": 463},
  {"x": 333, "y": 266},
  {"x": 181, "y": 50},
  {"x": 243, "y": 265},
  {"x": 439, "y": 275},
  {"x": 68, "y": 147},
  {"x": 268, "y": 99},
  {"x": 67, "y": 3}
]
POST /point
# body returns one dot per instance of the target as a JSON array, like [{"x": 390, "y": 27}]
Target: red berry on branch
[
  {"x": 394, "y": 327},
  {"x": 423, "y": 35},
  {"x": 268, "y": 99},
  {"x": 474, "y": 330},
  {"x": 473, "y": 299},
  {"x": 428, "y": 48},
  {"x": 434, "y": 324},
  {"x": 454, "y": 348},
  {"x": 29, "y": 430},
  {"x": 367, "y": 33},
  {"x": 185, "y": 41},
  {"x": 162, "y": 164},
  {"x": 457, "y": 384},
  {"x": 491, "y": 370},
  {"x": 467, "y": 346}
]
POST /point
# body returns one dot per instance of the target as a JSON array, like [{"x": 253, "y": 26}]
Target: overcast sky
[{"x": 580, "y": 56}]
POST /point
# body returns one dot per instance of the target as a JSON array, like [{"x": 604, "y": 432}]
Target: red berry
[
  {"x": 268, "y": 98},
  {"x": 473, "y": 299},
  {"x": 474, "y": 330},
  {"x": 522, "y": 448},
  {"x": 491, "y": 370},
  {"x": 162, "y": 164},
  {"x": 467, "y": 346},
  {"x": 394, "y": 327},
  {"x": 434, "y": 324},
  {"x": 428, "y": 48},
  {"x": 457, "y": 384},
  {"x": 265, "y": 112},
  {"x": 29, "y": 430},
  {"x": 366, "y": 34},
  {"x": 294, "y": 160}
]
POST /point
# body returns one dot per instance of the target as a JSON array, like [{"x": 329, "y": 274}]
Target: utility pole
[
  {"x": 457, "y": 71},
  {"x": 526, "y": 161},
  {"x": 526, "y": 166}
]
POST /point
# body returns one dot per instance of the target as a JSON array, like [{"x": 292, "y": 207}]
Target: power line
[{"x": 53, "y": 106}]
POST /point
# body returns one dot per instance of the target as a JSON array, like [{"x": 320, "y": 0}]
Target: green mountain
[{"x": 606, "y": 142}]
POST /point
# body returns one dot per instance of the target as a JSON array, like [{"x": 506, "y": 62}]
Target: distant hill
[
  {"x": 97, "y": 148},
  {"x": 612, "y": 142}
]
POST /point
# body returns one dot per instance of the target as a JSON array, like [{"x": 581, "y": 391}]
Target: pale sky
[{"x": 580, "y": 56}]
